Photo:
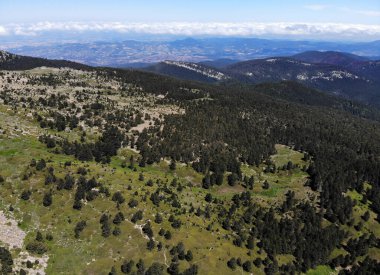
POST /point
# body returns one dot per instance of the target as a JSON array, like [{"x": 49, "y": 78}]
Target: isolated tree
[
  {"x": 48, "y": 199},
  {"x": 79, "y": 228},
  {"x": 118, "y": 197},
  {"x": 133, "y": 203},
  {"x": 150, "y": 244},
  {"x": 137, "y": 216},
  {"x": 208, "y": 197},
  {"x": 116, "y": 231},
  {"x": 266, "y": 185},
  {"x": 172, "y": 165},
  {"x": 189, "y": 256},
  {"x": 25, "y": 195},
  {"x": 232, "y": 263},
  {"x": 39, "y": 236},
  {"x": 119, "y": 217},
  {"x": 158, "y": 218},
  {"x": 127, "y": 266},
  {"x": 247, "y": 266},
  {"x": 41, "y": 164}
]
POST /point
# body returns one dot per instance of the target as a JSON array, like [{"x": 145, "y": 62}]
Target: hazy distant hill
[{"x": 192, "y": 50}]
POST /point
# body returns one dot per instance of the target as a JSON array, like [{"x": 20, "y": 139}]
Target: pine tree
[{"x": 48, "y": 199}]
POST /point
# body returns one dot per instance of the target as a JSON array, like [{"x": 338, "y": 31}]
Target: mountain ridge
[
  {"x": 10, "y": 61},
  {"x": 337, "y": 73},
  {"x": 329, "y": 78}
]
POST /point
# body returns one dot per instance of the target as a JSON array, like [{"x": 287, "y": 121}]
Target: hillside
[
  {"x": 330, "y": 57},
  {"x": 300, "y": 94},
  {"x": 110, "y": 171},
  {"x": 219, "y": 63},
  {"x": 342, "y": 74},
  {"x": 353, "y": 84},
  {"x": 188, "y": 71},
  {"x": 10, "y": 61},
  {"x": 357, "y": 64}
]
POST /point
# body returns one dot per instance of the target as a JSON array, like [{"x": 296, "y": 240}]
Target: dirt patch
[
  {"x": 39, "y": 263},
  {"x": 230, "y": 189},
  {"x": 10, "y": 233},
  {"x": 12, "y": 236}
]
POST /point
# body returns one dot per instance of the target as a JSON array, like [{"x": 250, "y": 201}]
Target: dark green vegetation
[
  {"x": 346, "y": 75},
  {"x": 188, "y": 71},
  {"x": 356, "y": 80},
  {"x": 10, "y": 61},
  {"x": 128, "y": 172},
  {"x": 6, "y": 261}
]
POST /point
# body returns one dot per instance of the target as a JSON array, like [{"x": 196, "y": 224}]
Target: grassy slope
[{"x": 93, "y": 254}]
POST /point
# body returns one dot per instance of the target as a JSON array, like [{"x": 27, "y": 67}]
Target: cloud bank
[{"x": 333, "y": 30}]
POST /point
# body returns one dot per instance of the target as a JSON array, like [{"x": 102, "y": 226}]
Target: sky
[{"x": 334, "y": 19}]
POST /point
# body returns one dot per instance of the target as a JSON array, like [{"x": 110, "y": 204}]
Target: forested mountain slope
[
  {"x": 330, "y": 57},
  {"x": 122, "y": 171},
  {"x": 10, "y": 61},
  {"x": 346, "y": 75},
  {"x": 333, "y": 79},
  {"x": 188, "y": 71}
]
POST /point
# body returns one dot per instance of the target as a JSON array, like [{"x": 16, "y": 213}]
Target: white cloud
[
  {"x": 3, "y": 31},
  {"x": 333, "y": 30},
  {"x": 316, "y": 7}
]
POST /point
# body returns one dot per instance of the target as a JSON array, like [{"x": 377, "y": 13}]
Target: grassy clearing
[
  {"x": 321, "y": 270},
  {"x": 281, "y": 181},
  {"x": 370, "y": 226}
]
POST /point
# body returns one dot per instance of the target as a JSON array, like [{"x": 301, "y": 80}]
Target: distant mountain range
[
  {"x": 350, "y": 76},
  {"x": 138, "y": 53},
  {"x": 342, "y": 74}
]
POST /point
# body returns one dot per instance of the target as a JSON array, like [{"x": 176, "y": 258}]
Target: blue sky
[
  {"x": 32, "y": 17},
  {"x": 342, "y": 11}
]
